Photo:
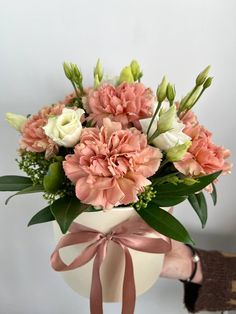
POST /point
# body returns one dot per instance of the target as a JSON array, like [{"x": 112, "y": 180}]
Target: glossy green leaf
[
  {"x": 181, "y": 189},
  {"x": 44, "y": 215},
  {"x": 65, "y": 210},
  {"x": 214, "y": 194},
  {"x": 168, "y": 201},
  {"x": 165, "y": 223},
  {"x": 29, "y": 190},
  {"x": 14, "y": 183},
  {"x": 199, "y": 204}
]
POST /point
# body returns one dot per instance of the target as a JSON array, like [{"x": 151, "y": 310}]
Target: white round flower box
[{"x": 147, "y": 266}]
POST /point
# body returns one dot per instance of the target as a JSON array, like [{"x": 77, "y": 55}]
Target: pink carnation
[
  {"x": 203, "y": 156},
  {"x": 110, "y": 166},
  {"x": 34, "y": 138},
  {"x": 126, "y": 103},
  {"x": 189, "y": 119},
  {"x": 68, "y": 100}
]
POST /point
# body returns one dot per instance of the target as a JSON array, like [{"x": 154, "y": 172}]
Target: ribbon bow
[{"x": 133, "y": 233}]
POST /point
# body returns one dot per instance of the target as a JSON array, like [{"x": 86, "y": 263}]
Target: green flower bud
[
  {"x": 53, "y": 180},
  {"x": 67, "y": 71},
  {"x": 166, "y": 120},
  {"x": 135, "y": 69},
  {"x": 77, "y": 76},
  {"x": 174, "y": 180},
  {"x": 161, "y": 90},
  {"x": 208, "y": 82},
  {"x": 170, "y": 93},
  {"x": 202, "y": 76},
  {"x": 194, "y": 96},
  {"x": 190, "y": 181},
  {"x": 73, "y": 74},
  {"x": 98, "y": 71},
  {"x": 177, "y": 152},
  {"x": 96, "y": 81},
  {"x": 15, "y": 120},
  {"x": 126, "y": 75},
  {"x": 188, "y": 101},
  {"x": 183, "y": 101},
  {"x": 59, "y": 158}
]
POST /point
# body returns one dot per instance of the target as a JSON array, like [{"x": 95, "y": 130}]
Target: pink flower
[
  {"x": 110, "y": 166},
  {"x": 203, "y": 156},
  {"x": 189, "y": 118},
  {"x": 126, "y": 103},
  {"x": 68, "y": 100},
  {"x": 34, "y": 138}
]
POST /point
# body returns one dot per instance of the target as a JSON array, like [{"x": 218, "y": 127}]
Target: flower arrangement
[{"x": 118, "y": 144}]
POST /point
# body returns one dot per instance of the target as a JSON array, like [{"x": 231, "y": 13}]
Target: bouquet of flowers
[{"x": 118, "y": 144}]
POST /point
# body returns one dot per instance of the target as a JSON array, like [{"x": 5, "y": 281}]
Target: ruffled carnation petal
[
  {"x": 203, "y": 156},
  {"x": 110, "y": 166},
  {"x": 34, "y": 138},
  {"x": 126, "y": 103}
]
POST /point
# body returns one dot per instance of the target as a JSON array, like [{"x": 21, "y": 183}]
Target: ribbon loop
[{"x": 133, "y": 233}]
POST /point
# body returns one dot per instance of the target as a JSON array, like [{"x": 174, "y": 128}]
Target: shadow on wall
[{"x": 212, "y": 241}]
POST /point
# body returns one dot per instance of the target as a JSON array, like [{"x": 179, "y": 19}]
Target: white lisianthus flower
[
  {"x": 173, "y": 134},
  {"x": 15, "y": 120},
  {"x": 171, "y": 138},
  {"x": 65, "y": 129}
]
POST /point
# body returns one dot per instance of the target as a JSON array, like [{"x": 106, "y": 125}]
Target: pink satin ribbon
[{"x": 133, "y": 233}]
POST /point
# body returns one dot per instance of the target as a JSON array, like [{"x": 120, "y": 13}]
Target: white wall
[{"x": 178, "y": 38}]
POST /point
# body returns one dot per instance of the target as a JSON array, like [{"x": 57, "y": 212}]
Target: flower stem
[
  {"x": 197, "y": 98},
  {"x": 76, "y": 91},
  {"x": 193, "y": 103},
  {"x": 154, "y": 116},
  {"x": 154, "y": 135},
  {"x": 163, "y": 164},
  {"x": 186, "y": 101},
  {"x": 161, "y": 180}
]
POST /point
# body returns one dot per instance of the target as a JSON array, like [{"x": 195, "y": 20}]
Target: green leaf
[
  {"x": 168, "y": 201},
  {"x": 214, "y": 194},
  {"x": 14, "y": 183},
  {"x": 181, "y": 189},
  {"x": 44, "y": 215},
  {"x": 28, "y": 190},
  {"x": 65, "y": 210},
  {"x": 198, "y": 202},
  {"x": 165, "y": 223}
]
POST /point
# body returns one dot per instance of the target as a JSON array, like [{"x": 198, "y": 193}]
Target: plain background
[{"x": 177, "y": 38}]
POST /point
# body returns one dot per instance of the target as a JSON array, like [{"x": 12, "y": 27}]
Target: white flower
[
  {"x": 65, "y": 129},
  {"x": 171, "y": 138},
  {"x": 173, "y": 135},
  {"x": 15, "y": 120}
]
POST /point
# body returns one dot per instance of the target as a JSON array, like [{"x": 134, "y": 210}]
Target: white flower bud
[{"x": 15, "y": 120}]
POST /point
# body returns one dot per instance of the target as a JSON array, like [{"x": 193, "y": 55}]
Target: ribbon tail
[
  {"x": 129, "y": 293},
  {"x": 96, "y": 286}
]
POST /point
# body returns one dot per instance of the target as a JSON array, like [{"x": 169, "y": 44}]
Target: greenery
[
  {"x": 34, "y": 165},
  {"x": 168, "y": 186},
  {"x": 40, "y": 172},
  {"x": 144, "y": 198},
  {"x": 163, "y": 222}
]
